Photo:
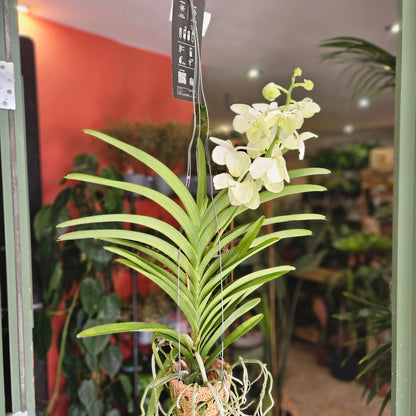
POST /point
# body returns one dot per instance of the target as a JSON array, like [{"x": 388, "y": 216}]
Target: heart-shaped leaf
[
  {"x": 109, "y": 309},
  {"x": 87, "y": 392},
  {"x": 95, "y": 345},
  {"x": 111, "y": 359},
  {"x": 92, "y": 291},
  {"x": 97, "y": 409}
]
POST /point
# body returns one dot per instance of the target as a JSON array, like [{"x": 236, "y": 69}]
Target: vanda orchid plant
[{"x": 192, "y": 263}]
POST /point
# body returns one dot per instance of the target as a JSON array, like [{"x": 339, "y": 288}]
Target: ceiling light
[
  {"x": 253, "y": 73},
  {"x": 363, "y": 102},
  {"x": 348, "y": 129},
  {"x": 394, "y": 28},
  {"x": 22, "y": 8}
]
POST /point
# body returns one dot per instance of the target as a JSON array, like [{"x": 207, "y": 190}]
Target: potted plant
[
  {"x": 72, "y": 276},
  {"x": 192, "y": 264}
]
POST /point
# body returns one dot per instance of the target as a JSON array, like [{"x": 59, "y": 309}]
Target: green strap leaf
[
  {"x": 201, "y": 194},
  {"x": 281, "y": 235},
  {"x": 155, "y": 272},
  {"x": 169, "y": 177},
  {"x": 143, "y": 220},
  {"x": 212, "y": 337},
  {"x": 250, "y": 281},
  {"x": 163, "y": 260},
  {"x": 158, "y": 198},
  {"x": 237, "y": 333},
  {"x": 137, "y": 236}
]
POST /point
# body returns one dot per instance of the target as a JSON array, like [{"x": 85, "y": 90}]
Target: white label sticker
[{"x": 7, "y": 93}]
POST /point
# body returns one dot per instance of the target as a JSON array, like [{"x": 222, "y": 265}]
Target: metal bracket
[{"x": 7, "y": 91}]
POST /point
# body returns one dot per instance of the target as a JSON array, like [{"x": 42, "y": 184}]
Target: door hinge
[{"x": 7, "y": 90}]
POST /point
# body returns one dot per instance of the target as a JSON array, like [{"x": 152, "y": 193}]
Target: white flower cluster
[{"x": 271, "y": 130}]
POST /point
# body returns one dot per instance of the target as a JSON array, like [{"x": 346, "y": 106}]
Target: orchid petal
[
  {"x": 222, "y": 180},
  {"x": 242, "y": 192},
  {"x": 240, "y": 108},
  {"x": 274, "y": 173},
  {"x": 262, "y": 107},
  {"x": 254, "y": 133},
  {"x": 260, "y": 166},
  {"x": 254, "y": 201},
  {"x": 241, "y": 123},
  {"x": 273, "y": 187},
  {"x": 237, "y": 163},
  {"x": 218, "y": 155}
]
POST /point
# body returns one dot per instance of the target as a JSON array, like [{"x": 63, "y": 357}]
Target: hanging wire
[{"x": 199, "y": 89}]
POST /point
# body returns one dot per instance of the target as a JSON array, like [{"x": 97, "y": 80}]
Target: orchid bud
[
  {"x": 297, "y": 72},
  {"x": 271, "y": 91},
  {"x": 308, "y": 84}
]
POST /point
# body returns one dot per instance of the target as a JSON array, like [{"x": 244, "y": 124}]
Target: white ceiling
[{"x": 273, "y": 35}]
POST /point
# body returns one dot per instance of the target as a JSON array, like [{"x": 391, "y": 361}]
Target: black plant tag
[{"x": 185, "y": 64}]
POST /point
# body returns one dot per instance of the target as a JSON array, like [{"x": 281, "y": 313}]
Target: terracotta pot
[{"x": 187, "y": 401}]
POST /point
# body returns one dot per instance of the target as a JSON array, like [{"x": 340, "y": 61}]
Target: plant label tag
[{"x": 186, "y": 47}]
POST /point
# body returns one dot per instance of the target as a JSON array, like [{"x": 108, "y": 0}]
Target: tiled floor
[{"x": 316, "y": 393}]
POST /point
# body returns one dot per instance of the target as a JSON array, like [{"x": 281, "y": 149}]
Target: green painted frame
[
  {"x": 404, "y": 237},
  {"x": 17, "y": 229},
  {"x": 404, "y": 259}
]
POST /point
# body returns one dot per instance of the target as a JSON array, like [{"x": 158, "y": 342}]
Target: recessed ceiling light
[
  {"x": 348, "y": 129},
  {"x": 363, "y": 102},
  {"x": 22, "y": 8},
  {"x": 394, "y": 28},
  {"x": 253, "y": 73}
]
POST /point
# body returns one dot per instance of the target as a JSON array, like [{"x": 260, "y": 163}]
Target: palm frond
[{"x": 371, "y": 68}]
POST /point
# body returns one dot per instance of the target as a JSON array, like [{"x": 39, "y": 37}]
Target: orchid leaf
[{"x": 170, "y": 178}]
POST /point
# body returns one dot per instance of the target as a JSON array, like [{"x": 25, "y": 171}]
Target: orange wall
[{"x": 83, "y": 79}]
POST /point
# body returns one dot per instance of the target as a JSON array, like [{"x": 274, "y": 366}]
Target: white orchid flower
[
  {"x": 308, "y": 107},
  {"x": 291, "y": 120},
  {"x": 256, "y": 121},
  {"x": 226, "y": 154},
  {"x": 296, "y": 141},
  {"x": 271, "y": 170},
  {"x": 239, "y": 193},
  {"x": 258, "y": 148}
]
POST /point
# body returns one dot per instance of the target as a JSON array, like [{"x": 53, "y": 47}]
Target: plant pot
[
  {"x": 190, "y": 399},
  {"x": 344, "y": 368}
]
